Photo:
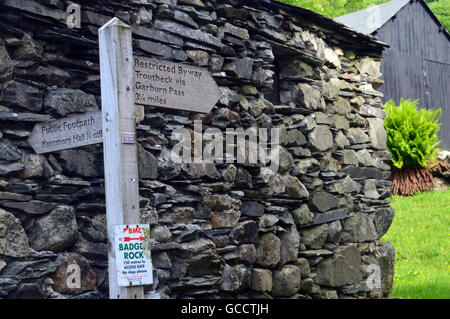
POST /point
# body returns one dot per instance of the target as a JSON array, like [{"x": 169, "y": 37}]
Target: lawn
[{"x": 420, "y": 234}]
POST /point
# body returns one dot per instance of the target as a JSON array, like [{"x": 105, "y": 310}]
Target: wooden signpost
[
  {"x": 126, "y": 80},
  {"x": 119, "y": 143},
  {"x": 73, "y": 131}
]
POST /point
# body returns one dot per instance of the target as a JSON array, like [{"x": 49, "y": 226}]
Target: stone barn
[
  {"x": 218, "y": 230},
  {"x": 417, "y": 64}
]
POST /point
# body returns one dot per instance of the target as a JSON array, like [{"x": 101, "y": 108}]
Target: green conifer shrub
[{"x": 411, "y": 134}]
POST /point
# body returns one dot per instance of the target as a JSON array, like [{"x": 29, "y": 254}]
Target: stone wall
[{"x": 311, "y": 230}]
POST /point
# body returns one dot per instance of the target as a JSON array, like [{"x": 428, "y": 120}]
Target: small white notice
[{"x": 133, "y": 257}]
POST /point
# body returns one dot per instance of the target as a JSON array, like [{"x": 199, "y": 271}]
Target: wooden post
[{"x": 119, "y": 146}]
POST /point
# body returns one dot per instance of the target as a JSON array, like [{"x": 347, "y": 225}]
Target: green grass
[{"x": 420, "y": 234}]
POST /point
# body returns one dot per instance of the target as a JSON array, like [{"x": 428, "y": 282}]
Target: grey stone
[
  {"x": 82, "y": 162},
  {"x": 6, "y": 169},
  {"x": 377, "y": 133},
  {"x": 383, "y": 220},
  {"x": 33, "y": 207},
  {"x": 7, "y": 285},
  {"x": 225, "y": 219},
  {"x": 252, "y": 209},
  {"x": 370, "y": 189},
  {"x": 242, "y": 68},
  {"x": 235, "y": 31},
  {"x": 323, "y": 201},
  {"x": 341, "y": 141},
  {"x": 235, "y": 278},
  {"x": 245, "y": 232},
  {"x": 267, "y": 221},
  {"x": 359, "y": 228},
  {"x": 357, "y": 136},
  {"x": 161, "y": 234},
  {"x": 364, "y": 158},
  {"x": 345, "y": 186},
  {"x": 302, "y": 215},
  {"x": 321, "y": 138},
  {"x": 268, "y": 250},
  {"x": 261, "y": 280},
  {"x": 8, "y": 152},
  {"x": 55, "y": 231},
  {"x": 329, "y": 216},
  {"x": 344, "y": 268},
  {"x": 307, "y": 96},
  {"x": 147, "y": 164},
  {"x": 349, "y": 157},
  {"x": 29, "y": 49},
  {"x": 290, "y": 243},
  {"x": 161, "y": 50},
  {"x": 90, "y": 250},
  {"x": 29, "y": 269},
  {"x": 6, "y": 64},
  {"x": 334, "y": 232},
  {"x": 63, "y": 101},
  {"x": 386, "y": 260},
  {"x": 307, "y": 165},
  {"x": 295, "y": 188},
  {"x": 36, "y": 166},
  {"x": 201, "y": 58},
  {"x": 286, "y": 282},
  {"x": 341, "y": 106},
  {"x": 315, "y": 237},
  {"x": 22, "y": 95},
  {"x": 186, "y": 32},
  {"x": 13, "y": 240}
]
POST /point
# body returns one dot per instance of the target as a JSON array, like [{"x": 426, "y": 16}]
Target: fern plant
[{"x": 411, "y": 134}]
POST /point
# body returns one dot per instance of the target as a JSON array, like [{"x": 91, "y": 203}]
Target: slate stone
[
  {"x": 307, "y": 96},
  {"x": 268, "y": 250},
  {"x": 286, "y": 282},
  {"x": 302, "y": 215},
  {"x": 17, "y": 94},
  {"x": 32, "y": 207},
  {"x": 36, "y": 166},
  {"x": 8, "y": 152},
  {"x": 366, "y": 172},
  {"x": 6, "y": 64},
  {"x": 343, "y": 268},
  {"x": 383, "y": 220},
  {"x": 377, "y": 133},
  {"x": 294, "y": 188},
  {"x": 261, "y": 280},
  {"x": 235, "y": 278},
  {"x": 315, "y": 237},
  {"x": 147, "y": 164},
  {"x": 63, "y": 101},
  {"x": 55, "y": 231},
  {"x": 245, "y": 232},
  {"x": 82, "y": 162},
  {"x": 323, "y": 201},
  {"x": 321, "y": 138},
  {"x": 290, "y": 243},
  {"x": 359, "y": 228},
  {"x": 29, "y": 269},
  {"x": 13, "y": 240},
  {"x": 386, "y": 262},
  {"x": 241, "y": 68},
  {"x": 187, "y": 32}
]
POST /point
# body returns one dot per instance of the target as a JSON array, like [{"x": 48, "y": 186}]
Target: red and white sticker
[{"x": 133, "y": 257}]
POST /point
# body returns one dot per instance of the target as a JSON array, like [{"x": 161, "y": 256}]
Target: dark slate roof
[{"x": 371, "y": 19}]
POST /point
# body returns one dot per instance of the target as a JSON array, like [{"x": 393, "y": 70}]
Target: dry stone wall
[{"x": 311, "y": 230}]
